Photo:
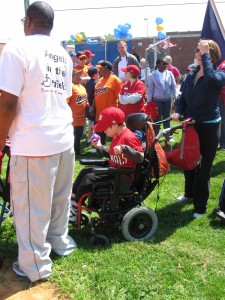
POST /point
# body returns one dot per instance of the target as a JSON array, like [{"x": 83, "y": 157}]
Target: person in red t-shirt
[
  {"x": 132, "y": 95},
  {"x": 125, "y": 151}
]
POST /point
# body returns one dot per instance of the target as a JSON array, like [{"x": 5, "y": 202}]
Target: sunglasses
[
  {"x": 23, "y": 20},
  {"x": 82, "y": 58},
  {"x": 165, "y": 63},
  {"x": 197, "y": 50}
]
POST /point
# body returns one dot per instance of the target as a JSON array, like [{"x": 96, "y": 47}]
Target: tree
[{"x": 109, "y": 37}]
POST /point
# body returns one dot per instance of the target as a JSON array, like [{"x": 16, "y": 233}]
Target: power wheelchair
[{"x": 122, "y": 210}]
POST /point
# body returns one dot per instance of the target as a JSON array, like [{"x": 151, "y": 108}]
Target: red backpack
[{"x": 187, "y": 155}]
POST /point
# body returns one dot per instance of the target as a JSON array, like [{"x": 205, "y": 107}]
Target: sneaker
[
  {"x": 171, "y": 139},
  {"x": 220, "y": 213},
  {"x": 184, "y": 198},
  {"x": 197, "y": 215},
  {"x": 73, "y": 214},
  {"x": 17, "y": 270}
]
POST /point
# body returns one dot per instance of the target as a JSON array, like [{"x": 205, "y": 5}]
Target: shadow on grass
[
  {"x": 170, "y": 218},
  {"x": 218, "y": 168}
]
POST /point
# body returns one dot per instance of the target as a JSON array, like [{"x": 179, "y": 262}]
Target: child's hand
[
  {"x": 117, "y": 150},
  {"x": 96, "y": 141}
]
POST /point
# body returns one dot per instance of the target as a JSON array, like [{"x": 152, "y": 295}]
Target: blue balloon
[
  {"x": 124, "y": 29},
  {"x": 116, "y": 31},
  {"x": 161, "y": 35},
  {"x": 120, "y": 26},
  {"x": 88, "y": 41},
  {"x": 159, "y": 20},
  {"x": 72, "y": 37},
  {"x": 129, "y": 36},
  {"x": 127, "y": 24}
]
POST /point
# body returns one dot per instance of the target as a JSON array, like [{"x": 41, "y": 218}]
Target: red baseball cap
[
  {"x": 109, "y": 116},
  {"x": 88, "y": 53},
  {"x": 132, "y": 69}
]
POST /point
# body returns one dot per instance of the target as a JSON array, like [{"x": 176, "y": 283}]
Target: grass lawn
[{"x": 185, "y": 259}]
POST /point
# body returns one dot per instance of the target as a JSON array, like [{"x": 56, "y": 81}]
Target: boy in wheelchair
[{"x": 125, "y": 151}]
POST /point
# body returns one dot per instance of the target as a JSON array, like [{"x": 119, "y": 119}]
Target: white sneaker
[
  {"x": 197, "y": 215},
  {"x": 17, "y": 270},
  {"x": 73, "y": 214},
  {"x": 171, "y": 139},
  {"x": 184, "y": 198},
  {"x": 221, "y": 214}
]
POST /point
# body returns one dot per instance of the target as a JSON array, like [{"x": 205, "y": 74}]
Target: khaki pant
[{"x": 40, "y": 196}]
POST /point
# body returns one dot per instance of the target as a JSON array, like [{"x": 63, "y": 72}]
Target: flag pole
[{"x": 218, "y": 18}]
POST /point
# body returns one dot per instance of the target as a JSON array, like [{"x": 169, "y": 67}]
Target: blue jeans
[
  {"x": 164, "y": 110},
  {"x": 222, "y": 124}
]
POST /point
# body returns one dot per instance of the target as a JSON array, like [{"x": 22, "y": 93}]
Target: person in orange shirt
[
  {"x": 78, "y": 104},
  {"x": 107, "y": 91},
  {"x": 81, "y": 59}
]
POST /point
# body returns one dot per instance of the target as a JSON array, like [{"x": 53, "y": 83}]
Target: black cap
[{"x": 104, "y": 64}]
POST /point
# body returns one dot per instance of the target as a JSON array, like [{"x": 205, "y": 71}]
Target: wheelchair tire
[
  {"x": 99, "y": 240},
  {"x": 139, "y": 224}
]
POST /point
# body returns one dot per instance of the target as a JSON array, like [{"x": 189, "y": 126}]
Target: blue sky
[{"x": 98, "y": 22}]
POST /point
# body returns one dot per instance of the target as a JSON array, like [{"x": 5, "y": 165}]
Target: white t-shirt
[
  {"x": 38, "y": 70},
  {"x": 122, "y": 64},
  {"x": 162, "y": 77}
]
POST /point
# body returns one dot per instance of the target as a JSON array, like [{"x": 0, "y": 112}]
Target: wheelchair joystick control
[{"x": 95, "y": 137}]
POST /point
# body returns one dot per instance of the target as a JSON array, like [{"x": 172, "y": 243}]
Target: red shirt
[
  {"x": 128, "y": 138},
  {"x": 137, "y": 87}
]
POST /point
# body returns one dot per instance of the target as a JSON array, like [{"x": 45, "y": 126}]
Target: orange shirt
[
  {"x": 78, "y": 103},
  {"x": 84, "y": 70},
  {"x": 106, "y": 93}
]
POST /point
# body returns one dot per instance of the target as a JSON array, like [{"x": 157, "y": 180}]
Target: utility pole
[{"x": 26, "y": 4}]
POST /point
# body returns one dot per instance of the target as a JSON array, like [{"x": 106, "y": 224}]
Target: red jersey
[
  {"x": 127, "y": 89},
  {"x": 128, "y": 138},
  {"x": 78, "y": 103}
]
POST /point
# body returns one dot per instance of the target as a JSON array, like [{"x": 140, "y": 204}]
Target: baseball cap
[
  {"x": 81, "y": 54},
  {"x": 92, "y": 71},
  {"x": 132, "y": 69},
  {"x": 104, "y": 64},
  {"x": 109, "y": 116},
  {"x": 72, "y": 54},
  {"x": 88, "y": 53}
]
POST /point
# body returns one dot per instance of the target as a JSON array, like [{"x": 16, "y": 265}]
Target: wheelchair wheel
[
  {"x": 139, "y": 224},
  {"x": 99, "y": 240}
]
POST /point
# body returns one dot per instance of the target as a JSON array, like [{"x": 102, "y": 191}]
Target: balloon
[
  {"x": 72, "y": 37},
  {"x": 127, "y": 24},
  {"x": 159, "y": 27},
  {"x": 79, "y": 37},
  {"x": 120, "y": 26},
  {"x": 124, "y": 29},
  {"x": 159, "y": 20},
  {"x": 161, "y": 35},
  {"x": 89, "y": 41},
  {"x": 116, "y": 31},
  {"x": 129, "y": 36}
]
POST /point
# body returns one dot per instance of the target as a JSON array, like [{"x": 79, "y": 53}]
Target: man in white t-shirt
[
  {"x": 123, "y": 60},
  {"x": 36, "y": 80}
]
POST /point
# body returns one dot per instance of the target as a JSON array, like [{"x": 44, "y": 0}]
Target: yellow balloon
[
  {"x": 159, "y": 27},
  {"x": 79, "y": 37}
]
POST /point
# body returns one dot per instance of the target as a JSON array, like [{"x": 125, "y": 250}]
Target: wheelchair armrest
[
  {"x": 96, "y": 162},
  {"x": 113, "y": 171}
]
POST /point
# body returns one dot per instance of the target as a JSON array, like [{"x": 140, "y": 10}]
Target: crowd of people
[{"x": 46, "y": 98}]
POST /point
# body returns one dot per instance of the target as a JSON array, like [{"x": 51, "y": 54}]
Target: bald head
[{"x": 41, "y": 14}]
